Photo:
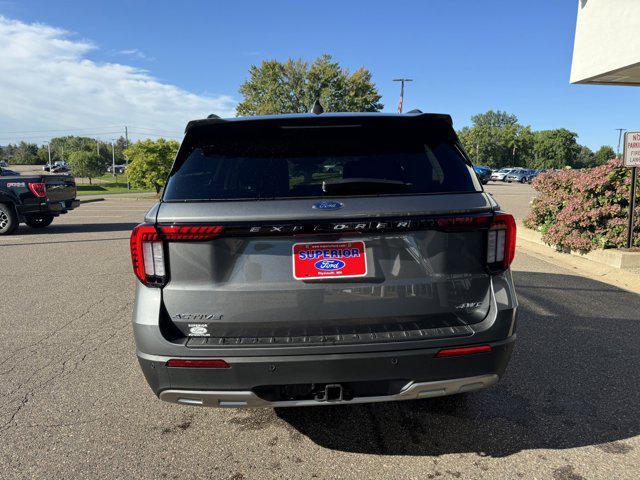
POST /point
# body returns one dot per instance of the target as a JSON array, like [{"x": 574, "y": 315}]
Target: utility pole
[
  {"x": 97, "y": 146},
  {"x": 126, "y": 159},
  {"x": 401, "y": 80},
  {"x": 620, "y": 130}
]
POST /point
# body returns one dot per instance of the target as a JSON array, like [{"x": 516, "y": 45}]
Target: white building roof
[{"x": 607, "y": 43}]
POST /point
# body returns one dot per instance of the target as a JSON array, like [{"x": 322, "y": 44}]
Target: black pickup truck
[{"x": 35, "y": 199}]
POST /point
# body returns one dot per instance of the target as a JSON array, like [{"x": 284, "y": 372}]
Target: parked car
[
  {"x": 60, "y": 169},
  {"x": 119, "y": 169},
  {"x": 264, "y": 280},
  {"x": 56, "y": 167},
  {"x": 518, "y": 175},
  {"x": 484, "y": 174},
  {"x": 35, "y": 200},
  {"x": 500, "y": 175},
  {"x": 3, "y": 164}
]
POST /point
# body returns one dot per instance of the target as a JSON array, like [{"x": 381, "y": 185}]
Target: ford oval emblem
[
  {"x": 326, "y": 205},
  {"x": 327, "y": 265}
]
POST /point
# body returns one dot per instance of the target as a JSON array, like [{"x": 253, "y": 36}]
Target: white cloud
[
  {"x": 47, "y": 82},
  {"x": 135, "y": 53}
]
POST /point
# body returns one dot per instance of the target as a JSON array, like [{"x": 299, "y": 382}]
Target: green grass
[
  {"x": 106, "y": 184},
  {"x": 106, "y": 188}
]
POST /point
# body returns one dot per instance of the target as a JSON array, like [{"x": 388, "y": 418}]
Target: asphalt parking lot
[{"x": 75, "y": 404}]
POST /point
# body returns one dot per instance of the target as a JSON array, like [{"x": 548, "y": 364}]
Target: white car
[{"x": 501, "y": 174}]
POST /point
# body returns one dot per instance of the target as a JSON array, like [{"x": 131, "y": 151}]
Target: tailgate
[
  {"x": 399, "y": 281},
  {"x": 60, "y": 188}
]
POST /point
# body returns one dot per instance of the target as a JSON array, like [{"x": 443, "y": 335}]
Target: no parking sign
[
  {"x": 632, "y": 149},
  {"x": 632, "y": 160}
]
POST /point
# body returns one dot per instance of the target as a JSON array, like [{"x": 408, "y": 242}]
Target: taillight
[
  {"x": 501, "y": 242},
  {"x": 147, "y": 255},
  {"x": 39, "y": 189},
  {"x": 148, "y": 248}
]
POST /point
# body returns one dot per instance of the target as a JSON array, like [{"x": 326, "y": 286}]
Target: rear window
[{"x": 310, "y": 162}]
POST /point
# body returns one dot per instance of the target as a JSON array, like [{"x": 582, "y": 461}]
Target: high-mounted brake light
[
  {"x": 501, "y": 242},
  {"x": 148, "y": 247},
  {"x": 39, "y": 189}
]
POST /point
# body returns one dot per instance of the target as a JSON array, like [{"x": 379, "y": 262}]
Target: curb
[
  {"x": 613, "y": 258},
  {"x": 583, "y": 265}
]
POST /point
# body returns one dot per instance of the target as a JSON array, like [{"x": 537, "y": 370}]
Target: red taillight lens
[
  {"x": 148, "y": 247},
  {"x": 184, "y": 233},
  {"x": 147, "y": 255},
  {"x": 456, "y": 352},
  {"x": 205, "y": 363},
  {"x": 39, "y": 189},
  {"x": 501, "y": 242}
]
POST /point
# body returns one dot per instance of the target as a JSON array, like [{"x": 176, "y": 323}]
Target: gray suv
[{"x": 321, "y": 259}]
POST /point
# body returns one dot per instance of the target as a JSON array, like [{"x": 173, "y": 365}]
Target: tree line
[
  {"x": 28, "y": 153},
  {"x": 498, "y": 140}
]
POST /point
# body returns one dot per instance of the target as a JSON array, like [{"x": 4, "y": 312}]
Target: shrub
[{"x": 583, "y": 210}]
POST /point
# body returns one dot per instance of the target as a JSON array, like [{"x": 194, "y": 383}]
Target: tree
[
  {"x": 585, "y": 158},
  {"x": 150, "y": 162},
  {"x": 23, "y": 154},
  {"x": 86, "y": 164},
  {"x": 604, "y": 154},
  {"x": 555, "y": 149},
  {"x": 293, "y": 86},
  {"x": 498, "y": 140}
]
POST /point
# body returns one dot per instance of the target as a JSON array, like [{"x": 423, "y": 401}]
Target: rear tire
[
  {"x": 8, "y": 219},
  {"x": 38, "y": 221}
]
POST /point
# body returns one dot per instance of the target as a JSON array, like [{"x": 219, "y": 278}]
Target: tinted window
[{"x": 308, "y": 162}]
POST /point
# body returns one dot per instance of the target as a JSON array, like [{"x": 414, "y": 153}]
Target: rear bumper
[
  {"x": 415, "y": 373},
  {"x": 248, "y": 399},
  {"x": 50, "y": 208}
]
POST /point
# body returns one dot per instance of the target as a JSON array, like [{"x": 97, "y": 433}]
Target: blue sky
[{"x": 465, "y": 57}]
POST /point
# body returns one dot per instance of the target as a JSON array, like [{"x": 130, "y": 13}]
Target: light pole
[
  {"x": 620, "y": 130},
  {"x": 401, "y": 80},
  {"x": 113, "y": 158}
]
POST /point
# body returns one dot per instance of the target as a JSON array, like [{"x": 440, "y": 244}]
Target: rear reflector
[
  {"x": 39, "y": 189},
  {"x": 208, "y": 363},
  {"x": 456, "y": 352}
]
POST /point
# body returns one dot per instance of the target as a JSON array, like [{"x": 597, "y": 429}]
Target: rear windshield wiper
[{"x": 363, "y": 185}]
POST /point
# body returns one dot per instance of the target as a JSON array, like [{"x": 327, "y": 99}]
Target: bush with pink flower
[{"x": 583, "y": 210}]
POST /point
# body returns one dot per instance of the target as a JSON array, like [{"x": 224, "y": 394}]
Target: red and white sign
[
  {"x": 329, "y": 260},
  {"x": 632, "y": 149}
]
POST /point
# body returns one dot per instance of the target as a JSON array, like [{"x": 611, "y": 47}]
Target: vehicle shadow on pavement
[
  {"x": 78, "y": 228},
  {"x": 572, "y": 381}
]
